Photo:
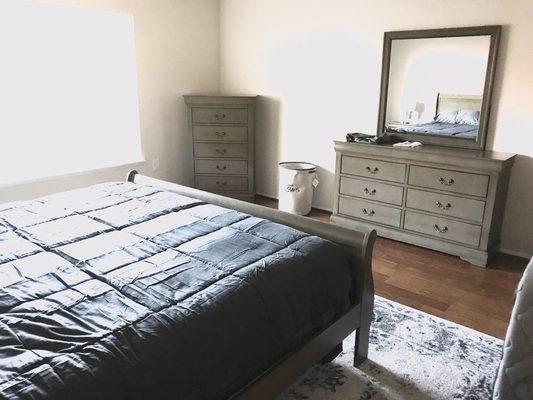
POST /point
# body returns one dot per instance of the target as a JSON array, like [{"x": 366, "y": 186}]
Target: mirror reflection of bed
[
  {"x": 434, "y": 85},
  {"x": 456, "y": 115}
]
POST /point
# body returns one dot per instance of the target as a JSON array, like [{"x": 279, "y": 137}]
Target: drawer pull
[
  {"x": 372, "y": 170},
  {"x": 369, "y": 213},
  {"x": 223, "y": 183},
  {"x": 370, "y": 192},
  {"x": 220, "y": 116},
  {"x": 439, "y": 229},
  {"x": 446, "y": 182},
  {"x": 221, "y": 151},
  {"x": 220, "y": 134},
  {"x": 223, "y": 168},
  {"x": 442, "y": 206}
]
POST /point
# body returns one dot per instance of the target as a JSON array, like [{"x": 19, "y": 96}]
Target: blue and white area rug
[{"x": 412, "y": 356}]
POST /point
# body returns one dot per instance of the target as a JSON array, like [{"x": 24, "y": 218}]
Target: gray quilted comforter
[
  {"x": 438, "y": 128},
  {"x": 515, "y": 375},
  {"x": 122, "y": 291}
]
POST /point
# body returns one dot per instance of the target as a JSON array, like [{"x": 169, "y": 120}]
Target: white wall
[
  {"x": 317, "y": 66},
  {"x": 177, "y": 46}
]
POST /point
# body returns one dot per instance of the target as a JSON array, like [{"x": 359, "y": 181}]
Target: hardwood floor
[{"x": 441, "y": 284}]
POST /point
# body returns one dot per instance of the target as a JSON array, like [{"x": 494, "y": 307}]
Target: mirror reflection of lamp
[
  {"x": 415, "y": 114},
  {"x": 419, "y": 109}
]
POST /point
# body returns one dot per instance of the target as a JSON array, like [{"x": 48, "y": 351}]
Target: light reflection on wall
[{"x": 255, "y": 32}]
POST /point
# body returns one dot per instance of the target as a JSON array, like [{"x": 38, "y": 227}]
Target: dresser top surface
[
  {"x": 427, "y": 150},
  {"x": 218, "y": 99}
]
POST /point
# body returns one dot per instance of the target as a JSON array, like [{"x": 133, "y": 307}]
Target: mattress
[
  {"x": 123, "y": 291},
  {"x": 438, "y": 128}
]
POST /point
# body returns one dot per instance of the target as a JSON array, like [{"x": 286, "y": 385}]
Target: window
[{"x": 68, "y": 90}]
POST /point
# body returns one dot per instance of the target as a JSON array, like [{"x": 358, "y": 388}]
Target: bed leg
[
  {"x": 332, "y": 354},
  {"x": 362, "y": 334},
  {"x": 365, "y": 298}
]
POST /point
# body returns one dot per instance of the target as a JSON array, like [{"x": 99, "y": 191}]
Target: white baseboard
[{"x": 515, "y": 253}]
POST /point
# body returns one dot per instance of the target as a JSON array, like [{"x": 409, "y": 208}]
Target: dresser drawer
[
  {"x": 370, "y": 211},
  {"x": 217, "y": 133},
  {"x": 221, "y": 167},
  {"x": 222, "y": 183},
  {"x": 444, "y": 204},
  {"x": 219, "y": 115},
  {"x": 450, "y": 181},
  {"x": 384, "y": 170},
  {"x": 443, "y": 228},
  {"x": 221, "y": 150},
  {"x": 372, "y": 190}
]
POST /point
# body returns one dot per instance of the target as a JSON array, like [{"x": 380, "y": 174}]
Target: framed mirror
[{"x": 436, "y": 85}]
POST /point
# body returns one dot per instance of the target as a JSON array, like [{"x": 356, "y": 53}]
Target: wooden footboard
[{"x": 357, "y": 244}]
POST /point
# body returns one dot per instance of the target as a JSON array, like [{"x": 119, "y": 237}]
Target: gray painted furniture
[
  {"x": 222, "y": 130},
  {"x": 326, "y": 344},
  {"x": 493, "y": 32},
  {"x": 446, "y": 199}
]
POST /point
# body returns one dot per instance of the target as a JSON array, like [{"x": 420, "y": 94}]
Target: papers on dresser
[{"x": 407, "y": 144}]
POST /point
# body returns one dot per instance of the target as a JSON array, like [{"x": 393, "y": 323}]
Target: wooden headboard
[{"x": 447, "y": 101}]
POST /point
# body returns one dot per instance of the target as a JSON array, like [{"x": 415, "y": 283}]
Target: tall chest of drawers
[
  {"x": 451, "y": 200},
  {"x": 222, "y": 130}
]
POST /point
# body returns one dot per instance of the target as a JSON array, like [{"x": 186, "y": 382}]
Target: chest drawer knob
[
  {"x": 221, "y": 151},
  {"x": 439, "y": 229},
  {"x": 442, "y": 206},
  {"x": 221, "y": 168},
  {"x": 446, "y": 182},
  {"x": 220, "y": 116},
  {"x": 369, "y": 213},
  {"x": 372, "y": 170},
  {"x": 370, "y": 192},
  {"x": 220, "y": 134},
  {"x": 223, "y": 183}
]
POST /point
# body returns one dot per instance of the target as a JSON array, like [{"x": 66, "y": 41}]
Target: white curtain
[{"x": 68, "y": 90}]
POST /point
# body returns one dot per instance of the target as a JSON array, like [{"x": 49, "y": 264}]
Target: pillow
[
  {"x": 448, "y": 116},
  {"x": 468, "y": 117}
]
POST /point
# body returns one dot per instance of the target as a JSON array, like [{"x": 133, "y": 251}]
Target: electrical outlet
[{"x": 155, "y": 164}]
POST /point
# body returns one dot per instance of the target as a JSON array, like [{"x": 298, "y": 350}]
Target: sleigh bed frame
[{"x": 327, "y": 344}]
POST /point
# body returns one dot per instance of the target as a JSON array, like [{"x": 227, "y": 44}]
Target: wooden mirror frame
[{"x": 494, "y": 31}]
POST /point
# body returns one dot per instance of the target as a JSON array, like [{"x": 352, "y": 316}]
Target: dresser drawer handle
[
  {"x": 220, "y": 116},
  {"x": 223, "y": 183},
  {"x": 221, "y": 151},
  {"x": 369, "y": 213},
  {"x": 439, "y": 229},
  {"x": 372, "y": 170},
  {"x": 442, "y": 206},
  {"x": 446, "y": 182},
  {"x": 223, "y": 168},
  {"x": 220, "y": 133},
  {"x": 370, "y": 192}
]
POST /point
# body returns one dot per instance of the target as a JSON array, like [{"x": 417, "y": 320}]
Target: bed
[
  {"x": 445, "y": 102},
  {"x": 146, "y": 289},
  {"x": 436, "y": 128}
]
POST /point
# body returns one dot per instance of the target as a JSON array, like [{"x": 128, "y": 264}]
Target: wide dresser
[
  {"x": 450, "y": 200},
  {"x": 222, "y": 130}
]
